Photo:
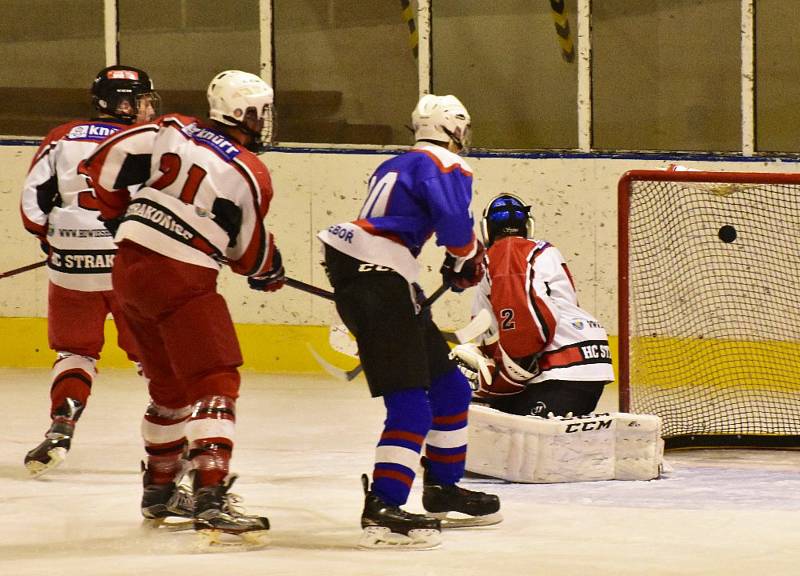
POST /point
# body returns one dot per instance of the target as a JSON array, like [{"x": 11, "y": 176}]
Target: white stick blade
[{"x": 476, "y": 327}]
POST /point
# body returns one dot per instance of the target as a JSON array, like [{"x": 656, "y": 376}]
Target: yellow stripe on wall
[{"x": 265, "y": 347}]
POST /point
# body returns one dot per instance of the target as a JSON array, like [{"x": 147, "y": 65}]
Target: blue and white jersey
[{"x": 422, "y": 192}]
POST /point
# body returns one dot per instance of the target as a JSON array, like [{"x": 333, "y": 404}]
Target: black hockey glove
[
  {"x": 272, "y": 280},
  {"x": 469, "y": 274},
  {"x": 43, "y": 244}
]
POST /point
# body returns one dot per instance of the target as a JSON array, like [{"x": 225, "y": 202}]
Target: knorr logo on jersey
[
  {"x": 213, "y": 139},
  {"x": 96, "y": 132}
]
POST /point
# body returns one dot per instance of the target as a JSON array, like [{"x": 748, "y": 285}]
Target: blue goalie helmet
[{"x": 506, "y": 215}]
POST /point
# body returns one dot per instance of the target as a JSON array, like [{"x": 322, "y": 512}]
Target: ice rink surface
[{"x": 302, "y": 443}]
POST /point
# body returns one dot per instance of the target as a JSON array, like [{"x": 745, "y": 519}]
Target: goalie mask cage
[{"x": 709, "y": 305}]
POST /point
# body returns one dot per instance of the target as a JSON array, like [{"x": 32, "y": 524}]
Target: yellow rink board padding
[
  {"x": 672, "y": 363},
  {"x": 265, "y": 347}
]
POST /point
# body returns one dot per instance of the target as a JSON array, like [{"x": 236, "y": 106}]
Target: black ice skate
[
  {"x": 387, "y": 526},
  {"x": 58, "y": 439},
  {"x": 170, "y": 505},
  {"x": 222, "y": 522},
  {"x": 458, "y": 507}
]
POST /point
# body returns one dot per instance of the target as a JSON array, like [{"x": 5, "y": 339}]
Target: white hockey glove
[{"x": 478, "y": 369}]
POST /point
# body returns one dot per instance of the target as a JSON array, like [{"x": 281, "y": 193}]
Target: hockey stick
[
  {"x": 22, "y": 269},
  {"x": 338, "y": 373},
  {"x": 348, "y": 346},
  {"x": 475, "y": 328},
  {"x": 321, "y": 292},
  {"x": 342, "y": 341}
]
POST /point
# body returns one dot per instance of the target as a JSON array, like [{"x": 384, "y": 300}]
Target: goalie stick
[
  {"x": 22, "y": 269},
  {"x": 475, "y": 328}
]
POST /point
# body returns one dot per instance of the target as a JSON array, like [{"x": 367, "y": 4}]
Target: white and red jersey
[
  {"x": 203, "y": 197},
  {"x": 535, "y": 312},
  {"x": 57, "y": 205}
]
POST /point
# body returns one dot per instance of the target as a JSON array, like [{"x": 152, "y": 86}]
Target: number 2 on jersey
[{"x": 170, "y": 166}]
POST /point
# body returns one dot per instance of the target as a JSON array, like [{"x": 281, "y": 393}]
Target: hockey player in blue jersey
[{"x": 371, "y": 263}]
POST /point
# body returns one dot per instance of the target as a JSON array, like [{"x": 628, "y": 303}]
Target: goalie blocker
[{"x": 531, "y": 449}]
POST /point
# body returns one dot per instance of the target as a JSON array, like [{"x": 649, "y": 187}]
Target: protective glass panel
[
  {"x": 48, "y": 66},
  {"x": 666, "y": 74},
  {"x": 777, "y": 70},
  {"x": 182, "y": 45},
  {"x": 506, "y": 61},
  {"x": 345, "y": 71}
]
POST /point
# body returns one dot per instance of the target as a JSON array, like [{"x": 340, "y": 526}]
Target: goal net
[{"x": 709, "y": 305}]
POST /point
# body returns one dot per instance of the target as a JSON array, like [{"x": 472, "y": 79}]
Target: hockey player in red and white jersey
[
  {"x": 202, "y": 203},
  {"x": 543, "y": 353},
  {"x": 57, "y": 206}
]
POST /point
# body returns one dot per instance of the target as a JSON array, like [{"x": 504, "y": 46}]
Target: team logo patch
[
  {"x": 122, "y": 75},
  {"x": 578, "y": 324},
  {"x": 95, "y": 131},
  {"x": 213, "y": 139}
]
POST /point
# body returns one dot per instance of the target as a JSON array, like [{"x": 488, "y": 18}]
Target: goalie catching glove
[
  {"x": 478, "y": 369},
  {"x": 273, "y": 279},
  {"x": 462, "y": 272},
  {"x": 490, "y": 377}
]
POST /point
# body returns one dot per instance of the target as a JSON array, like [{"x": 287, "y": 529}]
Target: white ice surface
[{"x": 302, "y": 443}]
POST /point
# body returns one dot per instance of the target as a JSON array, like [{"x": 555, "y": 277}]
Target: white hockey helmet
[
  {"x": 506, "y": 215},
  {"x": 244, "y": 100},
  {"x": 441, "y": 119}
]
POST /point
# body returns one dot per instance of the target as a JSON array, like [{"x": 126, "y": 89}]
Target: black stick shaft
[
  {"x": 22, "y": 269},
  {"x": 435, "y": 296},
  {"x": 321, "y": 292}
]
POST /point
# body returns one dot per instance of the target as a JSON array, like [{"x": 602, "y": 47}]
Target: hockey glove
[
  {"x": 273, "y": 279},
  {"x": 477, "y": 368},
  {"x": 462, "y": 273},
  {"x": 45, "y": 246}
]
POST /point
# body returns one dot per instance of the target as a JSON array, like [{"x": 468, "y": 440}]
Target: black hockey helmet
[
  {"x": 126, "y": 93},
  {"x": 506, "y": 215}
]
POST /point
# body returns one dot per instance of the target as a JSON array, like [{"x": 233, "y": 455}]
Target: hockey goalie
[{"x": 538, "y": 372}]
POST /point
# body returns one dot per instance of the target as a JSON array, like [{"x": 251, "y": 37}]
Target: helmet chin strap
[{"x": 457, "y": 141}]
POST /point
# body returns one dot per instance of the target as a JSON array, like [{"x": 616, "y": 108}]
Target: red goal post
[{"x": 709, "y": 305}]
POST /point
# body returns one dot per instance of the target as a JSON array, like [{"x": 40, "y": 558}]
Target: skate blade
[
  {"x": 210, "y": 540},
  {"x": 456, "y": 520},
  {"x": 381, "y": 538},
  {"x": 169, "y": 524},
  {"x": 36, "y": 468}
]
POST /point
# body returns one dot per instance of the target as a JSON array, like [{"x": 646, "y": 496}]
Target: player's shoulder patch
[
  {"x": 211, "y": 138},
  {"x": 444, "y": 160},
  {"x": 92, "y": 130}
]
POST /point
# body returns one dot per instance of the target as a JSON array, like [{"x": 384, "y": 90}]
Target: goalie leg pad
[{"x": 531, "y": 449}]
